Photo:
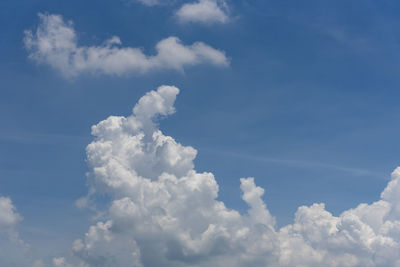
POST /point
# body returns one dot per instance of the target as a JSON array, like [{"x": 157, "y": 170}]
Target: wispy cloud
[
  {"x": 296, "y": 163},
  {"x": 150, "y": 2},
  {"x": 55, "y": 43}
]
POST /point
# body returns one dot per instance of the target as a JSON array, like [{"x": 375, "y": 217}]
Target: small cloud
[
  {"x": 152, "y": 3},
  {"x": 61, "y": 262},
  {"x": 38, "y": 263},
  {"x": 149, "y": 2},
  {"x": 204, "y": 11}
]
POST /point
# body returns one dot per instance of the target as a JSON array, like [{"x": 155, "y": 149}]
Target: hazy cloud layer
[
  {"x": 164, "y": 213},
  {"x": 54, "y": 43},
  {"x": 204, "y": 11}
]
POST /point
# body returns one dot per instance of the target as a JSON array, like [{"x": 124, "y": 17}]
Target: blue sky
[{"x": 308, "y": 105}]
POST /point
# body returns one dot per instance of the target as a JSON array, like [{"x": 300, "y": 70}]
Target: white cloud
[
  {"x": 164, "y": 213},
  {"x": 204, "y": 11},
  {"x": 55, "y": 43}
]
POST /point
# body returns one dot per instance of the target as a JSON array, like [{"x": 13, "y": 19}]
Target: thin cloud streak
[{"x": 298, "y": 163}]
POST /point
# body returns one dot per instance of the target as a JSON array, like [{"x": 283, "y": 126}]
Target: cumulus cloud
[
  {"x": 204, "y": 11},
  {"x": 164, "y": 213},
  {"x": 54, "y": 43}
]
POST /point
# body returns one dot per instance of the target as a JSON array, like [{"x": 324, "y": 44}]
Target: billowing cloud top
[
  {"x": 204, "y": 11},
  {"x": 55, "y": 43},
  {"x": 164, "y": 213}
]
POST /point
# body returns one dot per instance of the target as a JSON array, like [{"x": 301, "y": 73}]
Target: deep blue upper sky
[{"x": 308, "y": 106}]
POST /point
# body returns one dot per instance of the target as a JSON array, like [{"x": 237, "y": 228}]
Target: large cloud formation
[
  {"x": 164, "y": 213},
  {"x": 55, "y": 43}
]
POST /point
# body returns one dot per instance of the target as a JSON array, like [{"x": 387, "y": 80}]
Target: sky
[{"x": 207, "y": 94}]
